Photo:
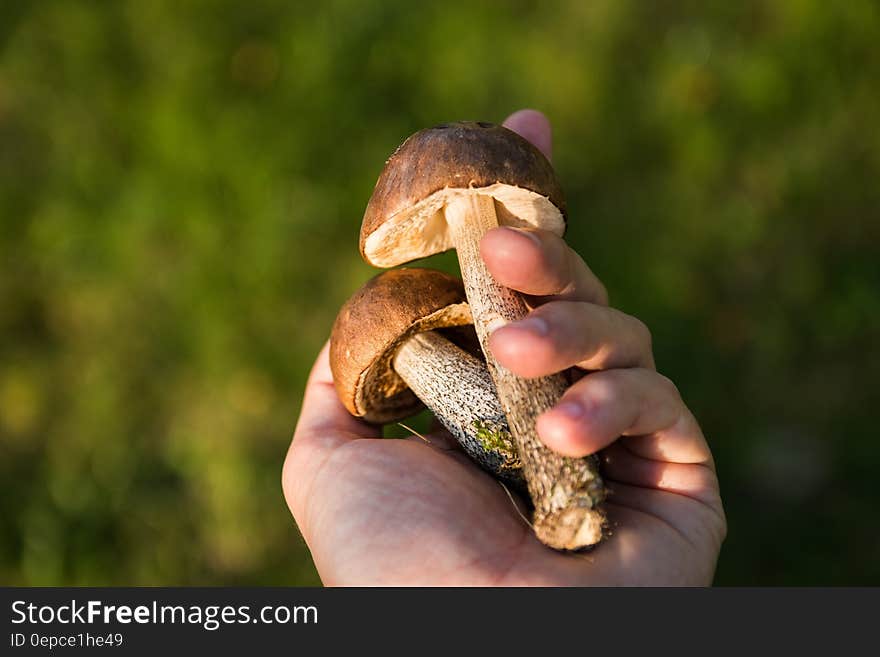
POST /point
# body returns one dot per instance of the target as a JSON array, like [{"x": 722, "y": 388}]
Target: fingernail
[
  {"x": 536, "y": 325},
  {"x": 526, "y": 233},
  {"x": 495, "y": 323},
  {"x": 569, "y": 409}
]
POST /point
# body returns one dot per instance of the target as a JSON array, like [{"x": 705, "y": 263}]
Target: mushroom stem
[
  {"x": 566, "y": 492},
  {"x": 457, "y": 388}
]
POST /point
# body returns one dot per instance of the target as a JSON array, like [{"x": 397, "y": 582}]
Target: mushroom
[
  {"x": 388, "y": 357},
  {"x": 444, "y": 188}
]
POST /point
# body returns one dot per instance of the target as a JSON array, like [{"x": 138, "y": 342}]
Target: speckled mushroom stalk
[
  {"x": 388, "y": 359},
  {"x": 458, "y": 390},
  {"x": 566, "y": 492},
  {"x": 444, "y": 188}
]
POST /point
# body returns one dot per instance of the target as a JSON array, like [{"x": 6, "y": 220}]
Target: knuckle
[
  {"x": 559, "y": 283},
  {"x": 643, "y": 333},
  {"x": 707, "y": 481},
  {"x": 669, "y": 387},
  {"x": 702, "y": 485},
  {"x": 609, "y": 389},
  {"x": 594, "y": 389}
]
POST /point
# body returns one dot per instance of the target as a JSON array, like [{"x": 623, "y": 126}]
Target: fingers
[
  {"x": 540, "y": 264},
  {"x": 692, "y": 479},
  {"x": 563, "y": 334},
  {"x": 639, "y": 404},
  {"x": 536, "y": 262},
  {"x": 662, "y": 447},
  {"x": 573, "y": 327},
  {"x": 534, "y": 126},
  {"x": 677, "y": 444}
]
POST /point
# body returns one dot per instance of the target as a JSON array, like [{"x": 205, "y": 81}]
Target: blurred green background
[{"x": 181, "y": 187}]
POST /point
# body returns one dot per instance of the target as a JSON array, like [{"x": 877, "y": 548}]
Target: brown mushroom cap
[
  {"x": 374, "y": 323},
  {"x": 404, "y": 219}
]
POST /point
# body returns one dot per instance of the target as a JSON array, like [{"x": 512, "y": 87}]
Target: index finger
[
  {"x": 547, "y": 266},
  {"x": 539, "y": 263}
]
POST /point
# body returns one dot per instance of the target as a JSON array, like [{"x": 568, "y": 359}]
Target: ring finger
[{"x": 639, "y": 404}]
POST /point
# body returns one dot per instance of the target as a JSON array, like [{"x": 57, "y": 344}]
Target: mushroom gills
[{"x": 422, "y": 230}]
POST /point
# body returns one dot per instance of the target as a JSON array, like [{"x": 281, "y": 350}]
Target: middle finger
[{"x": 563, "y": 334}]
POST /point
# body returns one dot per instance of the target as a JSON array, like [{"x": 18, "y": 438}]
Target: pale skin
[{"x": 383, "y": 512}]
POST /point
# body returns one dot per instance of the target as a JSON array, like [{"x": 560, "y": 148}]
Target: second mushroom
[{"x": 389, "y": 356}]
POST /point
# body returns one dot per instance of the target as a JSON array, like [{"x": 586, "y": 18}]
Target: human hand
[{"x": 375, "y": 511}]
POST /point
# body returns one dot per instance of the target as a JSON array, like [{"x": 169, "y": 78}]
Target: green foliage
[{"x": 181, "y": 185}]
